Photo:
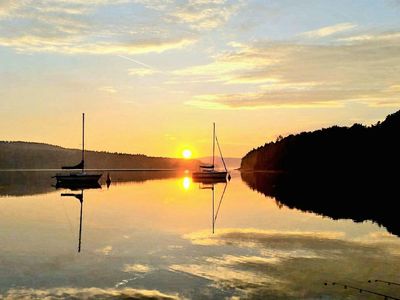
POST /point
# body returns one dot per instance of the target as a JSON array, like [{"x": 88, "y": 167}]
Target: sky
[{"x": 152, "y": 76}]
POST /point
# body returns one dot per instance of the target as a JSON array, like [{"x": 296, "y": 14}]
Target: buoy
[{"x": 108, "y": 180}]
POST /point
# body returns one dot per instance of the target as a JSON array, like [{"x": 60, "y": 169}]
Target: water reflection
[
  {"x": 186, "y": 182},
  {"x": 80, "y": 198},
  {"x": 215, "y": 210},
  {"x": 355, "y": 196},
  {"x": 177, "y": 239},
  {"x": 32, "y": 182}
]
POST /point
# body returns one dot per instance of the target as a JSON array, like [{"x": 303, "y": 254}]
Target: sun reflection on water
[{"x": 186, "y": 182}]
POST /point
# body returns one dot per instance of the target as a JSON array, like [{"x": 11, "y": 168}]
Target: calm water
[{"x": 154, "y": 238}]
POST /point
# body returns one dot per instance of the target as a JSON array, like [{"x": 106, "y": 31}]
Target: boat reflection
[
  {"x": 80, "y": 196},
  {"x": 215, "y": 211}
]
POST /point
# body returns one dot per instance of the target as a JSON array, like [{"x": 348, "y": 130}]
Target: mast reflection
[
  {"x": 80, "y": 197},
  {"x": 210, "y": 185}
]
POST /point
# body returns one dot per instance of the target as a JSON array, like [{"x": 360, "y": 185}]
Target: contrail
[{"x": 136, "y": 61}]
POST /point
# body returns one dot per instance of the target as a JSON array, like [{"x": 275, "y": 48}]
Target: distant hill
[
  {"x": 231, "y": 162},
  {"x": 28, "y": 155},
  {"x": 339, "y": 149}
]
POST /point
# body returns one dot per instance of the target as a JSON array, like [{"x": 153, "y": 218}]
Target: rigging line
[
  {"x": 384, "y": 281},
  {"x": 220, "y": 152},
  {"x": 220, "y": 201},
  {"x": 361, "y": 290}
]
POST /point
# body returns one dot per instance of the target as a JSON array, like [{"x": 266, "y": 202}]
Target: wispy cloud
[
  {"x": 136, "y": 268},
  {"x": 275, "y": 269},
  {"x": 141, "y": 72},
  {"x": 108, "y": 89},
  {"x": 106, "y": 250},
  {"x": 302, "y": 75},
  {"x": 65, "y": 45},
  {"x": 329, "y": 30},
  {"x": 388, "y": 36},
  {"x": 87, "y": 293},
  {"x": 71, "y": 27},
  {"x": 205, "y": 14},
  {"x": 8, "y": 6}
]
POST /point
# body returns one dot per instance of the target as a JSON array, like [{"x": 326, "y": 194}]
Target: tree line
[{"x": 373, "y": 148}]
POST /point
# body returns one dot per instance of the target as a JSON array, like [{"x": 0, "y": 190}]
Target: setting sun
[{"x": 187, "y": 153}]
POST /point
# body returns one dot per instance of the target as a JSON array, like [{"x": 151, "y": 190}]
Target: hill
[
  {"x": 28, "y": 155},
  {"x": 336, "y": 148}
]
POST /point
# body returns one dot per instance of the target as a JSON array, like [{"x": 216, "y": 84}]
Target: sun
[{"x": 187, "y": 153}]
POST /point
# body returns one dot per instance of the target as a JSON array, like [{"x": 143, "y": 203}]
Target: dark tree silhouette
[{"x": 338, "y": 149}]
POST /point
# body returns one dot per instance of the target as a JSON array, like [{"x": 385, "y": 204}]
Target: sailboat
[
  {"x": 208, "y": 172},
  {"x": 78, "y": 177}
]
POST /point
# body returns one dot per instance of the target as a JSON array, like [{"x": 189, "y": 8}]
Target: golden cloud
[
  {"x": 293, "y": 75},
  {"x": 136, "y": 268},
  {"x": 86, "y": 293},
  {"x": 205, "y": 14},
  {"x": 329, "y": 30},
  {"x": 68, "y": 45},
  {"x": 274, "y": 268},
  {"x": 71, "y": 27}
]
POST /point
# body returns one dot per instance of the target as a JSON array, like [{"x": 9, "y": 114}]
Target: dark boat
[
  {"x": 75, "y": 185},
  {"x": 78, "y": 176},
  {"x": 208, "y": 172}
]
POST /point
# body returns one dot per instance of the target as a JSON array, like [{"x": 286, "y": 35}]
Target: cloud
[
  {"x": 105, "y": 251},
  {"x": 271, "y": 99},
  {"x": 67, "y": 45},
  {"x": 272, "y": 268},
  {"x": 86, "y": 293},
  {"x": 387, "y": 36},
  {"x": 136, "y": 268},
  {"x": 8, "y": 6},
  {"x": 205, "y": 14},
  {"x": 250, "y": 236},
  {"x": 73, "y": 27},
  {"x": 329, "y": 30},
  {"x": 108, "y": 89},
  {"x": 295, "y": 74},
  {"x": 141, "y": 72},
  {"x": 225, "y": 277}
]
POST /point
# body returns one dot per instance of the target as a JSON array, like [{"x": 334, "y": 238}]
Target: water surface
[{"x": 162, "y": 236}]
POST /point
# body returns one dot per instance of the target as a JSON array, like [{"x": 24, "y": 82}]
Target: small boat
[
  {"x": 78, "y": 176},
  {"x": 208, "y": 172}
]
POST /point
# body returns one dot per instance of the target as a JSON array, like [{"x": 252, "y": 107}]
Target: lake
[{"x": 161, "y": 236}]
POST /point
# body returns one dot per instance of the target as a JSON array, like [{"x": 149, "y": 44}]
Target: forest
[{"x": 335, "y": 149}]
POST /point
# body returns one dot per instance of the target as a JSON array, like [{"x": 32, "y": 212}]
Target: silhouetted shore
[
  {"x": 27, "y": 155},
  {"x": 335, "y": 149}
]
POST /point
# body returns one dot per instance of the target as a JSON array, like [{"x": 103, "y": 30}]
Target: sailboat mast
[
  {"x": 213, "y": 145},
  {"x": 83, "y": 141}
]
